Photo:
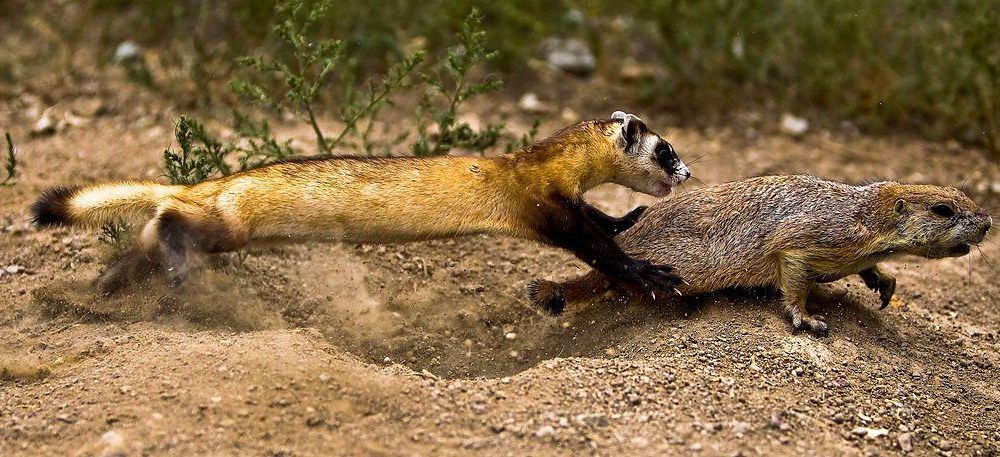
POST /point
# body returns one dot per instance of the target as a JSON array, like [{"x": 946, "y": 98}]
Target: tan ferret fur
[{"x": 535, "y": 194}]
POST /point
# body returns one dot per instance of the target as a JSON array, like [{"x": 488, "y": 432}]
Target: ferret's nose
[{"x": 683, "y": 172}]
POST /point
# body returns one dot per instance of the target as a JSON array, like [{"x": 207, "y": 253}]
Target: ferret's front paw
[{"x": 656, "y": 280}]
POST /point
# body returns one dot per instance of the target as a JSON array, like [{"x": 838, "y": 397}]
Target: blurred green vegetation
[{"x": 926, "y": 66}]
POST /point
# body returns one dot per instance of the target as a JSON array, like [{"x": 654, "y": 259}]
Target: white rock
[
  {"x": 571, "y": 55},
  {"x": 112, "y": 438},
  {"x": 793, "y": 125},
  {"x": 905, "y": 442},
  {"x": 545, "y": 430},
  {"x": 530, "y": 103},
  {"x": 511, "y": 336},
  {"x": 45, "y": 125},
  {"x": 127, "y": 51},
  {"x": 870, "y": 433}
]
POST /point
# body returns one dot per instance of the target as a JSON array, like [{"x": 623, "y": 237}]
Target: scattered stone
[
  {"x": 88, "y": 107},
  {"x": 511, "y": 336},
  {"x": 571, "y": 55},
  {"x": 741, "y": 428},
  {"x": 531, "y": 104},
  {"x": 640, "y": 442},
  {"x": 545, "y": 430},
  {"x": 943, "y": 445},
  {"x": 870, "y": 433},
  {"x": 127, "y": 51},
  {"x": 794, "y": 126},
  {"x": 596, "y": 419},
  {"x": 112, "y": 438},
  {"x": 45, "y": 125},
  {"x": 323, "y": 377},
  {"x": 13, "y": 269},
  {"x": 905, "y": 441}
]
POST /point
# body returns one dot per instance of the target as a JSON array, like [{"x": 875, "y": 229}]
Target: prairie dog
[{"x": 789, "y": 232}]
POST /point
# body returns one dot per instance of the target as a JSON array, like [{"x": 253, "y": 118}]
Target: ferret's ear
[
  {"x": 901, "y": 206},
  {"x": 632, "y": 127}
]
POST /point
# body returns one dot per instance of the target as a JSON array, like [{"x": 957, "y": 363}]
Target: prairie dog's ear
[{"x": 901, "y": 206}]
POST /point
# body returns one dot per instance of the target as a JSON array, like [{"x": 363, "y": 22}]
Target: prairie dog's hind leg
[{"x": 879, "y": 281}]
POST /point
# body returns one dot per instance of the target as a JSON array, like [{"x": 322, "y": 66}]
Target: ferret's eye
[
  {"x": 665, "y": 155},
  {"x": 943, "y": 210}
]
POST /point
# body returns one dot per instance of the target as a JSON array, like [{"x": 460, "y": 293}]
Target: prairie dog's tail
[
  {"x": 100, "y": 203},
  {"x": 552, "y": 296}
]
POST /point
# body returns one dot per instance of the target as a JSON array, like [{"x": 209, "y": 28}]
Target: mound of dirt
[{"x": 432, "y": 348}]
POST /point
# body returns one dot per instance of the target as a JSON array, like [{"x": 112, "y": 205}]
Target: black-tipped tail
[
  {"x": 547, "y": 295},
  {"x": 52, "y": 207}
]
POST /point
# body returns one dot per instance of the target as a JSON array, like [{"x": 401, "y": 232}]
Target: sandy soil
[{"x": 432, "y": 348}]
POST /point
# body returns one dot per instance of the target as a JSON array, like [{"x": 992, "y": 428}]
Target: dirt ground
[{"x": 431, "y": 348}]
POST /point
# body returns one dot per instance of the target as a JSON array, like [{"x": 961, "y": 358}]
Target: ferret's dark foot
[
  {"x": 881, "y": 282},
  {"x": 656, "y": 280},
  {"x": 129, "y": 267},
  {"x": 815, "y": 324},
  {"x": 547, "y": 295},
  {"x": 627, "y": 221},
  {"x": 177, "y": 276}
]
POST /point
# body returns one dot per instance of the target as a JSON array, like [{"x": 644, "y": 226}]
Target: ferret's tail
[
  {"x": 552, "y": 296},
  {"x": 100, "y": 203}
]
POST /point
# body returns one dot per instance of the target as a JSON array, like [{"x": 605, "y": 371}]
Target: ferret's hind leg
[
  {"x": 183, "y": 226},
  {"x": 879, "y": 281},
  {"x": 795, "y": 291},
  {"x": 131, "y": 265}
]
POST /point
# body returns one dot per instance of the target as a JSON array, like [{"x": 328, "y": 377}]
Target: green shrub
[
  {"x": 309, "y": 66},
  {"x": 10, "y": 166},
  {"x": 448, "y": 87}
]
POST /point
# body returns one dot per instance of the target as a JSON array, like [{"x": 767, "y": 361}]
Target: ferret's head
[
  {"x": 938, "y": 221},
  {"x": 648, "y": 163}
]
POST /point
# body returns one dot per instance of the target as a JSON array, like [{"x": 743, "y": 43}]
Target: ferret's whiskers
[{"x": 696, "y": 159}]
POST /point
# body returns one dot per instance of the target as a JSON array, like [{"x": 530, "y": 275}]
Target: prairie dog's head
[
  {"x": 939, "y": 222},
  {"x": 649, "y": 164}
]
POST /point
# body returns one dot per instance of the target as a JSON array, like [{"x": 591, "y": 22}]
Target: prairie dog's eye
[{"x": 943, "y": 210}]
